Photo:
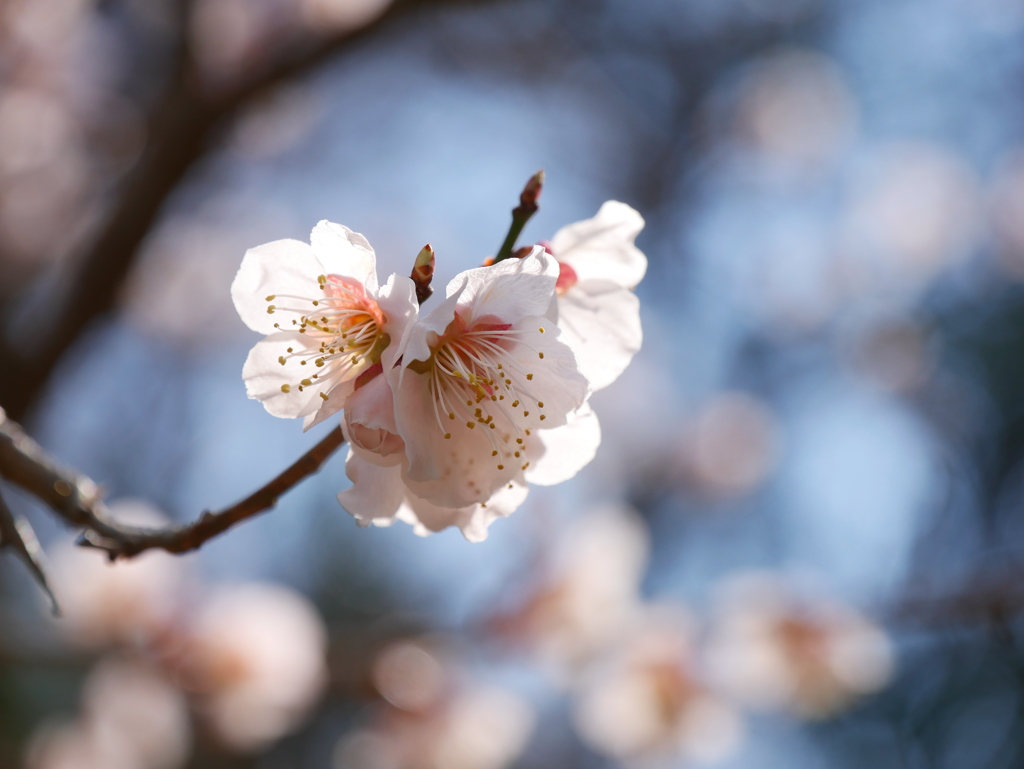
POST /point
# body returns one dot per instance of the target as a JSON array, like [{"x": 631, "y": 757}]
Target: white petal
[
  {"x": 453, "y": 472},
  {"x": 510, "y": 289},
  {"x": 397, "y": 300},
  {"x": 600, "y": 321},
  {"x": 336, "y": 399},
  {"x": 376, "y": 492},
  {"x": 285, "y": 267},
  {"x": 556, "y": 382},
  {"x": 564, "y": 451},
  {"x": 344, "y": 252},
  {"x": 602, "y": 248},
  {"x": 265, "y": 377},
  {"x": 473, "y": 520}
]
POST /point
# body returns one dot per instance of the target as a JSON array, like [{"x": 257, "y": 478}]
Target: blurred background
[{"x": 802, "y": 540}]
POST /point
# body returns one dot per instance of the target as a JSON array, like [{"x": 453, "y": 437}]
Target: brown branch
[
  {"x": 78, "y": 500},
  {"x": 16, "y": 533},
  {"x": 182, "y": 130}
]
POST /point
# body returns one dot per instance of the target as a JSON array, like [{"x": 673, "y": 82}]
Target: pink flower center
[
  {"x": 344, "y": 328},
  {"x": 478, "y": 381}
]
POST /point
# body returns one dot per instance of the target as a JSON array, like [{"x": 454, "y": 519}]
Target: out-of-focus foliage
[{"x": 821, "y": 438}]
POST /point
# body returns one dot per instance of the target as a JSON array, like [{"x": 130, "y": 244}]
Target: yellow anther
[
  {"x": 494, "y": 453},
  {"x": 529, "y": 376},
  {"x": 317, "y": 304},
  {"x": 515, "y": 403},
  {"x": 540, "y": 355},
  {"x": 319, "y": 362},
  {"x": 541, "y": 330},
  {"x": 323, "y": 396},
  {"x": 280, "y": 359},
  {"x": 271, "y": 297},
  {"x": 307, "y": 382},
  {"x": 451, "y": 415},
  {"x": 526, "y": 413},
  {"x": 543, "y": 417},
  {"x": 270, "y": 309},
  {"x": 470, "y": 425},
  {"x": 447, "y": 436},
  {"x": 286, "y": 388},
  {"x": 519, "y": 441},
  {"x": 540, "y": 404},
  {"x": 501, "y": 467}
]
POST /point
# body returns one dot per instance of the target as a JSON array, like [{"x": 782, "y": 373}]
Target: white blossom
[
  {"x": 597, "y": 310},
  {"x": 481, "y": 397},
  {"x": 325, "y": 318}
]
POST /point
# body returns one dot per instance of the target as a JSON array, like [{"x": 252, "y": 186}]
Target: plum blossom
[
  {"x": 773, "y": 649},
  {"x": 481, "y": 397},
  {"x": 325, "y": 318},
  {"x": 646, "y": 705},
  {"x": 591, "y": 595},
  {"x": 597, "y": 310},
  {"x": 254, "y": 657}
]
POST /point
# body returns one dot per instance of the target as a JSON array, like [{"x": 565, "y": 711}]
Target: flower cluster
[{"x": 449, "y": 414}]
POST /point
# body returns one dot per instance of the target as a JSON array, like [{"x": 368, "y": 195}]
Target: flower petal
[
  {"x": 376, "y": 492},
  {"x": 600, "y": 321},
  {"x": 277, "y": 385},
  {"x": 472, "y": 520},
  {"x": 602, "y": 248},
  {"x": 284, "y": 267},
  {"x": 369, "y": 423},
  {"x": 344, "y": 252},
  {"x": 509, "y": 289},
  {"x": 564, "y": 451}
]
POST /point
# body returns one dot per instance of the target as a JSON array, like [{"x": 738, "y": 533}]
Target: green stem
[{"x": 521, "y": 215}]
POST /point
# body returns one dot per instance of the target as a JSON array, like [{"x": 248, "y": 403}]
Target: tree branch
[
  {"x": 182, "y": 129},
  {"x": 78, "y": 500},
  {"x": 16, "y": 533}
]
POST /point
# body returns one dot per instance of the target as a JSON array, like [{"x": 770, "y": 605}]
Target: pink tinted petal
[
  {"x": 510, "y": 289},
  {"x": 369, "y": 423},
  {"x": 344, "y": 252},
  {"x": 556, "y": 380},
  {"x": 376, "y": 492},
  {"x": 282, "y": 269},
  {"x": 600, "y": 321},
  {"x": 276, "y": 385},
  {"x": 602, "y": 248},
  {"x": 472, "y": 520},
  {"x": 557, "y": 455}
]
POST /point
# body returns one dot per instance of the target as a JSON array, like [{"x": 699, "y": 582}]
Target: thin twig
[
  {"x": 78, "y": 500},
  {"x": 521, "y": 214},
  {"x": 16, "y": 533}
]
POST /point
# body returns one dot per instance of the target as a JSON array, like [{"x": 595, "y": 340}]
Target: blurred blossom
[
  {"x": 277, "y": 123},
  {"x": 772, "y": 649},
  {"x": 646, "y": 706},
  {"x": 46, "y": 28},
  {"x": 35, "y": 129},
  {"x": 795, "y": 107},
  {"x": 913, "y": 213},
  {"x": 409, "y": 676},
  {"x": 895, "y": 354},
  {"x": 129, "y": 602},
  {"x": 473, "y": 728},
  {"x": 230, "y": 35},
  {"x": 592, "y": 596},
  {"x": 131, "y": 718},
  {"x": 254, "y": 657},
  {"x": 732, "y": 445},
  {"x": 342, "y": 14},
  {"x": 189, "y": 263},
  {"x": 1006, "y": 212}
]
